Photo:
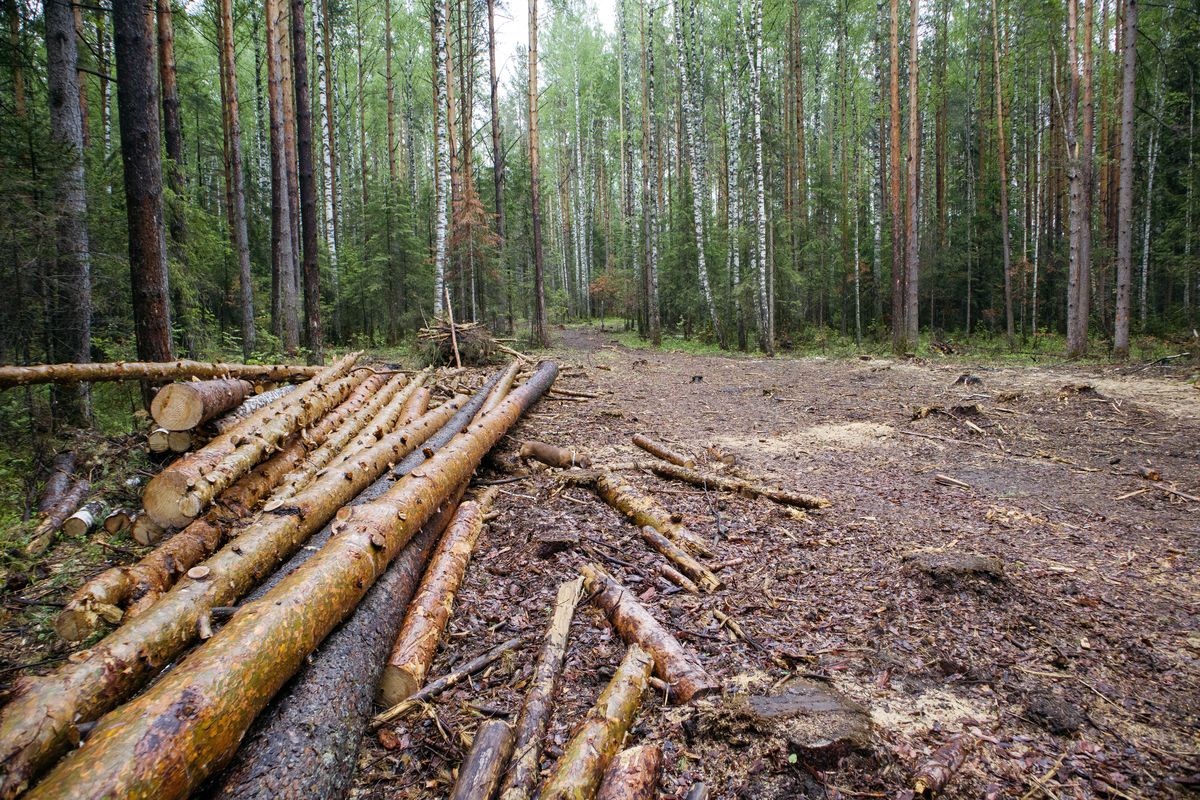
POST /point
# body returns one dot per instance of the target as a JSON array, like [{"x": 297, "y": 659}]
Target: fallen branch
[
  {"x": 639, "y": 508},
  {"x": 660, "y": 450},
  {"x": 703, "y": 577},
  {"x": 43, "y": 534},
  {"x": 728, "y": 483}
]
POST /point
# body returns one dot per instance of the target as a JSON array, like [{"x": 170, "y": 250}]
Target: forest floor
[{"x": 1067, "y": 661}]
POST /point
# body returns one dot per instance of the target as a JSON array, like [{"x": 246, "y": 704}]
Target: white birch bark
[{"x": 442, "y": 192}]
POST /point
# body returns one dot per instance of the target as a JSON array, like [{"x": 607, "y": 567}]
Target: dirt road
[{"x": 1067, "y": 660}]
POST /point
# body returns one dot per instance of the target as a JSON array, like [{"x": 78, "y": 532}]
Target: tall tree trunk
[
  {"x": 1151, "y": 162},
  {"x": 281, "y": 203},
  {"x": 755, "y": 61},
  {"x": 442, "y": 158},
  {"x": 1087, "y": 185},
  {"x": 651, "y": 182},
  {"x": 390, "y": 90},
  {"x": 172, "y": 126},
  {"x": 71, "y": 327},
  {"x": 497, "y": 151},
  {"x": 899, "y": 327},
  {"x": 912, "y": 232},
  {"x": 538, "y": 333},
  {"x": 362, "y": 103},
  {"x": 16, "y": 62},
  {"x": 1125, "y": 186},
  {"x": 1002, "y": 162},
  {"x": 237, "y": 192},
  {"x": 325, "y": 82},
  {"x": 80, "y": 74},
  {"x": 137, "y": 104},
  {"x": 308, "y": 186}
]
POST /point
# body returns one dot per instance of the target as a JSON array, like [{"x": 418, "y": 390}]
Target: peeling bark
[
  {"x": 632, "y": 775},
  {"x": 480, "y": 772}
]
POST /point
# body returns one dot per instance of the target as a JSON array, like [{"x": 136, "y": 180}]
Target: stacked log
[
  {"x": 41, "y": 721},
  {"x": 185, "y": 727},
  {"x": 179, "y": 493},
  {"x": 183, "y": 406},
  {"x": 248, "y": 407},
  {"x": 148, "y": 371}
]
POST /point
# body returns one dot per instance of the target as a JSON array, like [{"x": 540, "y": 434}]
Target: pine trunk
[
  {"x": 1125, "y": 185},
  {"x": 632, "y": 775},
  {"x": 147, "y": 371},
  {"x": 538, "y": 334},
  {"x": 308, "y": 186}
]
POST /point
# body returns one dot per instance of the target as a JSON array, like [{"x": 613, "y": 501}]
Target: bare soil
[
  {"x": 1073, "y": 674},
  {"x": 993, "y": 568}
]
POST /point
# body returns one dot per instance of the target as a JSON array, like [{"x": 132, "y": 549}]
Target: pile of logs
[{"x": 305, "y": 569}]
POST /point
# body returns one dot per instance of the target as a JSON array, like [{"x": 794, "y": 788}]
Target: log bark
[
  {"x": 539, "y": 700},
  {"x": 83, "y": 520},
  {"x": 148, "y": 371},
  {"x": 381, "y": 412},
  {"x": 150, "y": 746},
  {"x": 578, "y": 773},
  {"x": 418, "y": 403},
  {"x": 179, "y": 493},
  {"x": 552, "y": 455},
  {"x": 667, "y": 572},
  {"x": 660, "y": 450},
  {"x": 704, "y": 577},
  {"x": 502, "y": 388},
  {"x": 632, "y": 775},
  {"x": 640, "y": 509},
  {"x": 728, "y": 483},
  {"x": 43, "y": 534},
  {"x": 235, "y": 417},
  {"x": 40, "y": 722},
  {"x": 674, "y": 664},
  {"x": 183, "y": 406},
  {"x": 58, "y": 481},
  {"x": 305, "y": 744},
  {"x": 480, "y": 772},
  {"x": 410, "y": 659}
]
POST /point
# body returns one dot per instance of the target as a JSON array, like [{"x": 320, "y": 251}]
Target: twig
[{"x": 453, "y": 335}]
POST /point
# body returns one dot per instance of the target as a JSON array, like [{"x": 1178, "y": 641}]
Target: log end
[
  {"x": 177, "y": 407},
  {"x": 164, "y": 497},
  {"x": 397, "y": 685},
  {"x": 76, "y": 624}
]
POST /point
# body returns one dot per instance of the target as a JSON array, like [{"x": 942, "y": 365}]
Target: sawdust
[{"x": 897, "y": 710}]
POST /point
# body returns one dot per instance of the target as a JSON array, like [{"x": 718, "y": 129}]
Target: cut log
[
  {"x": 552, "y": 455},
  {"x": 183, "y": 406},
  {"x": 418, "y": 403},
  {"x": 248, "y": 407},
  {"x": 180, "y": 492},
  {"x": 660, "y": 450},
  {"x": 305, "y": 743},
  {"x": 40, "y": 722},
  {"x": 118, "y": 520},
  {"x": 445, "y": 434},
  {"x": 381, "y": 412},
  {"x": 936, "y": 773},
  {"x": 674, "y": 664},
  {"x": 417, "y": 644},
  {"x": 728, "y": 483},
  {"x": 455, "y": 676},
  {"x": 83, "y": 520},
  {"x": 578, "y": 773},
  {"x": 538, "y": 706},
  {"x": 43, "y": 534},
  {"x": 145, "y": 531},
  {"x": 58, "y": 481},
  {"x": 158, "y": 440},
  {"x": 502, "y": 388},
  {"x": 180, "y": 441},
  {"x": 632, "y": 775},
  {"x": 704, "y": 577},
  {"x": 143, "y": 747},
  {"x": 639, "y": 508},
  {"x": 481, "y": 769},
  {"x": 148, "y": 371},
  {"x": 669, "y": 573}
]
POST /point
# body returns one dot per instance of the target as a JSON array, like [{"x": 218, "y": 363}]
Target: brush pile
[{"x": 467, "y": 344}]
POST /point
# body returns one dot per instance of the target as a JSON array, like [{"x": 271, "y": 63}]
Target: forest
[{"x": 239, "y": 177}]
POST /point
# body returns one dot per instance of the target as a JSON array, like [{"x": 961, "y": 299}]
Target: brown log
[
  {"x": 417, "y": 644},
  {"x": 158, "y": 440},
  {"x": 151, "y": 746},
  {"x": 83, "y": 520},
  {"x": 381, "y": 412},
  {"x": 180, "y": 441},
  {"x": 674, "y": 664},
  {"x": 552, "y": 455},
  {"x": 419, "y": 402},
  {"x": 58, "y": 481},
  {"x": 305, "y": 743},
  {"x": 455, "y": 676},
  {"x": 704, "y": 577},
  {"x": 728, "y": 483},
  {"x": 43, "y": 534},
  {"x": 480, "y": 772},
  {"x": 118, "y": 520},
  {"x": 939, "y": 769},
  {"x": 578, "y": 773},
  {"x": 501, "y": 389},
  {"x": 632, "y": 775},
  {"x": 660, "y": 450},
  {"x": 40, "y": 722},
  {"x": 145, "y": 531},
  {"x": 248, "y": 407},
  {"x": 639, "y": 508},
  {"x": 183, "y": 406},
  {"x": 534, "y": 720},
  {"x": 180, "y": 492},
  {"x": 148, "y": 371}
]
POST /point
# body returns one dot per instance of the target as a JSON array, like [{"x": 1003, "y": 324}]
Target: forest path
[{"x": 1084, "y": 654}]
